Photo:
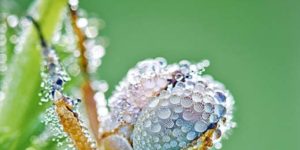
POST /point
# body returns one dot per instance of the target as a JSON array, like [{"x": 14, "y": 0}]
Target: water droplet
[
  {"x": 179, "y": 122},
  {"x": 175, "y": 100},
  {"x": 156, "y": 139},
  {"x": 155, "y": 127},
  {"x": 213, "y": 118},
  {"x": 208, "y": 107},
  {"x": 166, "y": 138},
  {"x": 208, "y": 99},
  {"x": 188, "y": 115},
  {"x": 176, "y": 132},
  {"x": 197, "y": 97},
  {"x": 164, "y": 113},
  {"x": 218, "y": 145},
  {"x": 220, "y": 110},
  {"x": 174, "y": 116},
  {"x": 200, "y": 126},
  {"x": 147, "y": 123},
  {"x": 154, "y": 103},
  {"x": 178, "y": 109},
  {"x": 173, "y": 143},
  {"x": 191, "y": 136},
  {"x": 220, "y": 97},
  {"x": 182, "y": 144},
  {"x": 186, "y": 102},
  {"x": 186, "y": 128},
  {"x": 168, "y": 123},
  {"x": 205, "y": 115},
  {"x": 198, "y": 107},
  {"x": 82, "y": 22}
]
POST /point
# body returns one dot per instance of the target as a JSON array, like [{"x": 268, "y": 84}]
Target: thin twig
[
  {"x": 88, "y": 92},
  {"x": 71, "y": 125}
]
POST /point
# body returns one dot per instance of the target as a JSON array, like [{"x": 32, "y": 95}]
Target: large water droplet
[
  {"x": 155, "y": 127},
  {"x": 186, "y": 102},
  {"x": 164, "y": 113},
  {"x": 200, "y": 126},
  {"x": 191, "y": 135}
]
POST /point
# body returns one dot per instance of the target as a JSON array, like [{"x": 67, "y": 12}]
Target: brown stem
[
  {"x": 206, "y": 139},
  {"x": 71, "y": 125},
  {"x": 87, "y": 91}
]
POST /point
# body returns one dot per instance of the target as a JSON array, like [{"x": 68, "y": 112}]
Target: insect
[{"x": 156, "y": 106}]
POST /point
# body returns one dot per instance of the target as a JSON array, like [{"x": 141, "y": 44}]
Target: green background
[{"x": 253, "y": 46}]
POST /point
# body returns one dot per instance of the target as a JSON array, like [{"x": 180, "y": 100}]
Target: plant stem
[{"x": 87, "y": 91}]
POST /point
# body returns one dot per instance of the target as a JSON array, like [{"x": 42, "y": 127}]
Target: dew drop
[
  {"x": 188, "y": 115},
  {"x": 186, "y": 128},
  {"x": 175, "y": 100},
  {"x": 191, "y": 136},
  {"x": 186, "y": 102},
  {"x": 147, "y": 123},
  {"x": 154, "y": 103},
  {"x": 208, "y": 99},
  {"x": 179, "y": 122},
  {"x": 200, "y": 126},
  {"x": 205, "y": 115},
  {"x": 155, "y": 127},
  {"x": 208, "y": 107},
  {"x": 197, "y": 97},
  {"x": 182, "y": 144},
  {"x": 198, "y": 107},
  {"x": 220, "y": 97},
  {"x": 166, "y": 138},
  {"x": 176, "y": 132},
  {"x": 168, "y": 123},
  {"x": 218, "y": 145},
  {"x": 220, "y": 110},
  {"x": 213, "y": 118},
  {"x": 178, "y": 109},
  {"x": 173, "y": 143},
  {"x": 164, "y": 113}
]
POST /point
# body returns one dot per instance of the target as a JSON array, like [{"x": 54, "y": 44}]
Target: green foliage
[{"x": 20, "y": 110}]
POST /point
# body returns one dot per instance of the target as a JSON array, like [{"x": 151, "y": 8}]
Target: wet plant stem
[{"x": 86, "y": 89}]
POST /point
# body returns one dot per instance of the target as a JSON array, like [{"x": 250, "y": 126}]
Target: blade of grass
[{"x": 20, "y": 109}]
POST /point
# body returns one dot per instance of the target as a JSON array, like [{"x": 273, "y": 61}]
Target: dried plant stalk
[
  {"x": 206, "y": 139},
  {"x": 87, "y": 91},
  {"x": 71, "y": 125}
]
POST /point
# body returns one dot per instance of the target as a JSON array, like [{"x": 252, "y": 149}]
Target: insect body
[{"x": 170, "y": 107}]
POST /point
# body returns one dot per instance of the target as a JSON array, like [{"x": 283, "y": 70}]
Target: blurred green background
[{"x": 253, "y": 46}]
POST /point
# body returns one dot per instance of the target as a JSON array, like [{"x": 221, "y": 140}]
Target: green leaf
[{"x": 20, "y": 110}]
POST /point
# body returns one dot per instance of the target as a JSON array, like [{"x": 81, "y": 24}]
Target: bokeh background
[{"x": 253, "y": 46}]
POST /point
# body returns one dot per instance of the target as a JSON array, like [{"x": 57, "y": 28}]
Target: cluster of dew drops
[{"x": 170, "y": 105}]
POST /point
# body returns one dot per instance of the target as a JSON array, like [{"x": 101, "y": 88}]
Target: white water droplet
[
  {"x": 200, "y": 126},
  {"x": 164, "y": 113}
]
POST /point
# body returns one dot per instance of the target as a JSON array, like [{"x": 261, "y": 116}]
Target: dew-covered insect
[
  {"x": 156, "y": 106},
  {"x": 161, "y": 106}
]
